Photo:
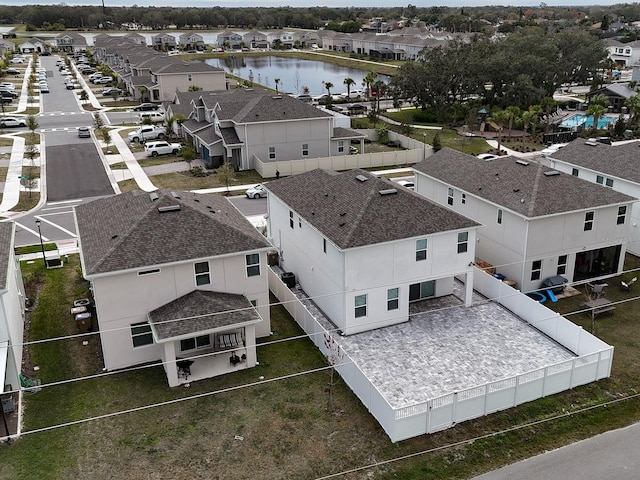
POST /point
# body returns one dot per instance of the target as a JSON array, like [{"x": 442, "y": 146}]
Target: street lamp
[
  {"x": 44, "y": 259},
  {"x": 424, "y": 144}
]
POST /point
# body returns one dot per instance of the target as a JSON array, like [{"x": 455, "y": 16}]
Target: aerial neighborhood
[{"x": 254, "y": 239}]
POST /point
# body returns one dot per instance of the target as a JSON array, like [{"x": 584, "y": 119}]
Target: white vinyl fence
[{"x": 592, "y": 362}]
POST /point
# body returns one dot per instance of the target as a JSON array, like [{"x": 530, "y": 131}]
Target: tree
[
  {"x": 105, "y": 133},
  {"x": 225, "y": 173},
  {"x": 194, "y": 88},
  {"x": 499, "y": 118},
  {"x": 328, "y": 86},
  {"x": 143, "y": 94},
  {"x": 633, "y": 104},
  {"x": 333, "y": 356},
  {"x": 84, "y": 96},
  {"x": 527, "y": 119},
  {"x": 437, "y": 144},
  {"x": 115, "y": 94},
  {"x": 368, "y": 80},
  {"x": 188, "y": 154},
  {"x": 277, "y": 82},
  {"x": 513, "y": 113},
  {"x": 597, "y": 108},
  {"x": 169, "y": 121},
  {"x": 349, "y": 82},
  {"x": 32, "y": 125}
]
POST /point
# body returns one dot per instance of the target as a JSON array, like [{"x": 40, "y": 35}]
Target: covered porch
[{"x": 205, "y": 334}]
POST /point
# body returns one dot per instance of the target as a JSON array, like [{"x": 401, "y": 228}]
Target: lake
[{"x": 294, "y": 73}]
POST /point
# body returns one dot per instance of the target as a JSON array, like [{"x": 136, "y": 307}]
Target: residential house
[
  {"x": 616, "y": 167},
  {"x": 241, "y": 126},
  {"x": 163, "y": 42},
  {"x": 12, "y": 308},
  {"x": 34, "y": 44},
  {"x": 70, "y": 42},
  {"x": 136, "y": 38},
  {"x": 7, "y": 47},
  {"x": 190, "y": 42},
  {"x": 255, "y": 39},
  {"x": 364, "y": 248},
  {"x": 616, "y": 93},
  {"x": 229, "y": 40},
  {"x": 624, "y": 54},
  {"x": 538, "y": 222},
  {"x": 179, "y": 76},
  {"x": 175, "y": 275}
]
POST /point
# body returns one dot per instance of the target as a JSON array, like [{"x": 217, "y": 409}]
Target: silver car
[{"x": 259, "y": 191}]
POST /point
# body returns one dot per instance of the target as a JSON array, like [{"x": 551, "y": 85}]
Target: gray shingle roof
[
  {"x": 622, "y": 161},
  {"x": 180, "y": 66},
  {"x": 524, "y": 189},
  {"x": 230, "y": 136},
  {"x": 353, "y": 213},
  {"x": 341, "y": 132},
  {"x": 128, "y": 231},
  {"x": 201, "y": 311},
  {"x": 6, "y": 233}
]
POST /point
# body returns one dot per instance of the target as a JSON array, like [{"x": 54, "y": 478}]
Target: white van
[{"x": 156, "y": 117}]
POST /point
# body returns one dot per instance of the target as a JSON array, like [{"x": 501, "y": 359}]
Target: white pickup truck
[{"x": 146, "y": 132}]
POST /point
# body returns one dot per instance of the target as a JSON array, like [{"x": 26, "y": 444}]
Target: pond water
[{"x": 294, "y": 73}]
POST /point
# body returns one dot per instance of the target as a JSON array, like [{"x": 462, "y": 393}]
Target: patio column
[
  {"x": 170, "y": 366},
  {"x": 468, "y": 292},
  {"x": 250, "y": 340}
]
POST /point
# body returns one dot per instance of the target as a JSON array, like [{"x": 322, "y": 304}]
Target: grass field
[{"x": 249, "y": 425}]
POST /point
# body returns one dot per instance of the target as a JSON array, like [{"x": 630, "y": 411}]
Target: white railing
[{"x": 593, "y": 362}]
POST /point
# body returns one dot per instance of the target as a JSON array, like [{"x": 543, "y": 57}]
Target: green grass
[
  {"x": 184, "y": 181},
  {"x": 150, "y": 161},
  {"x": 35, "y": 248}
]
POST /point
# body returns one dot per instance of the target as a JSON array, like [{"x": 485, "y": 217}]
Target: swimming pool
[{"x": 586, "y": 121}]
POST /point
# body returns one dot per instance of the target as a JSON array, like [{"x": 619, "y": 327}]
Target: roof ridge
[
  {"x": 360, "y": 215},
  {"x": 534, "y": 190}
]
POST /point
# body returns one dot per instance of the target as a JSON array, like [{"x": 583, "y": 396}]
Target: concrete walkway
[{"x": 11, "y": 192}]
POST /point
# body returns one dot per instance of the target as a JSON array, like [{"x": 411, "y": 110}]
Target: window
[
  {"x": 149, "y": 272},
  {"x": 622, "y": 215},
  {"x": 291, "y": 218},
  {"x": 604, "y": 181},
  {"x": 324, "y": 245},
  {"x": 189, "y": 77},
  {"x": 253, "y": 264},
  {"x": 562, "y": 265},
  {"x": 609, "y": 182},
  {"x": 196, "y": 343},
  {"x": 463, "y": 242},
  {"x": 361, "y": 306},
  {"x": 574, "y": 172},
  {"x": 202, "y": 273},
  {"x": 463, "y": 199},
  {"x": 305, "y": 149},
  {"x": 272, "y": 153},
  {"x": 340, "y": 146},
  {"x": 536, "y": 269},
  {"x": 450, "y": 196},
  {"x": 499, "y": 216},
  {"x": 141, "y": 334},
  {"x": 418, "y": 291},
  {"x": 599, "y": 179},
  {"x": 421, "y": 249},
  {"x": 392, "y": 298},
  {"x": 588, "y": 221}
]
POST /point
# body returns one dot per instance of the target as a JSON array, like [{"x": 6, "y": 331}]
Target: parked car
[
  {"x": 303, "y": 97},
  {"x": 487, "y": 156},
  {"x": 12, "y": 71},
  {"x": 154, "y": 117},
  {"x": 5, "y": 100},
  {"x": 352, "y": 94},
  {"x": 162, "y": 147},
  {"x": 84, "y": 132},
  {"x": 109, "y": 92},
  {"x": 551, "y": 149},
  {"x": 8, "y": 122},
  {"x": 44, "y": 89},
  {"x": 406, "y": 183},
  {"x": 259, "y": 191},
  {"x": 17, "y": 60},
  {"x": 95, "y": 75},
  {"x": 8, "y": 94},
  {"x": 147, "y": 132},
  {"x": 321, "y": 98},
  {"x": 145, "y": 107},
  {"x": 104, "y": 80}
]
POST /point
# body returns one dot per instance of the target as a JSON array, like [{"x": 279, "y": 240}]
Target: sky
[{"x": 309, "y": 3}]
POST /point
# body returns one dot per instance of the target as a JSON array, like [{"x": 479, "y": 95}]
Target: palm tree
[
  {"x": 277, "y": 80},
  {"x": 170, "y": 121},
  {"x": 369, "y": 78},
  {"x": 528, "y": 117},
  {"x": 597, "y": 108},
  {"x": 499, "y": 118},
  {"x": 633, "y": 104},
  {"x": 328, "y": 86},
  {"x": 349, "y": 82},
  {"x": 513, "y": 113}
]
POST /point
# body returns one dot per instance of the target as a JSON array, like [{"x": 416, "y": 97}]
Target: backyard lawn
[{"x": 255, "y": 424}]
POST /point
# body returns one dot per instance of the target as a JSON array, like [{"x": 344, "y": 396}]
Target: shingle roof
[
  {"x": 129, "y": 231},
  {"x": 353, "y": 213},
  {"x": 341, "y": 132},
  {"x": 193, "y": 126},
  {"x": 208, "y": 135},
  {"x": 230, "y": 136},
  {"x": 179, "y": 66},
  {"x": 524, "y": 189},
  {"x": 622, "y": 161},
  {"x": 200, "y": 311},
  {"x": 6, "y": 232}
]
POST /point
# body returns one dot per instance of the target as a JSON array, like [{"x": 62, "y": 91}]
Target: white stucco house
[
  {"x": 364, "y": 248},
  {"x": 12, "y": 308},
  {"x": 175, "y": 277},
  {"x": 240, "y": 126},
  {"x": 616, "y": 167},
  {"x": 538, "y": 222}
]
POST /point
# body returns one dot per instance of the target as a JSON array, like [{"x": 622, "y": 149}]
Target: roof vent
[
  {"x": 388, "y": 191},
  {"x": 522, "y": 162},
  {"x": 516, "y": 190},
  {"x": 342, "y": 224},
  {"x": 591, "y": 143},
  {"x": 277, "y": 97},
  {"x": 153, "y": 196},
  {"x": 551, "y": 173},
  {"x": 175, "y": 195},
  {"x": 169, "y": 208},
  {"x": 361, "y": 178}
]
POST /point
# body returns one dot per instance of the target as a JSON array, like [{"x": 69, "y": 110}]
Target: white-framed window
[
  {"x": 272, "y": 153},
  {"x": 562, "y": 265},
  {"x": 393, "y": 296},
  {"x": 609, "y": 182},
  {"x": 622, "y": 215},
  {"x": 195, "y": 343},
  {"x": 588, "y": 221},
  {"x": 499, "y": 219},
  {"x": 141, "y": 334},
  {"x": 305, "y": 149},
  {"x": 253, "y": 264},
  {"x": 291, "y": 218},
  {"x": 361, "y": 305},
  {"x": 463, "y": 242},
  {"x": 449, "y": 196},
  {"x": 340, "y": 146},
  {"x": 463, "y": 199},
  {"x": 201, "y": 270},
  {"x": 421, "y": 249},
  {"x": 324, "y": 245},
  {"x": 536, "y": 270},
  {"x": 574, "y": 172},
  {"x": 148, "y": 272}
]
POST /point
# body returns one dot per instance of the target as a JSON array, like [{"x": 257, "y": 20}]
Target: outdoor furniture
[
  {"x": 627, "y": 285},
  {"x": 597, "y": 289},
  {"x": 184, "y": 368},
  {"x": 599, "y": 305}
]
